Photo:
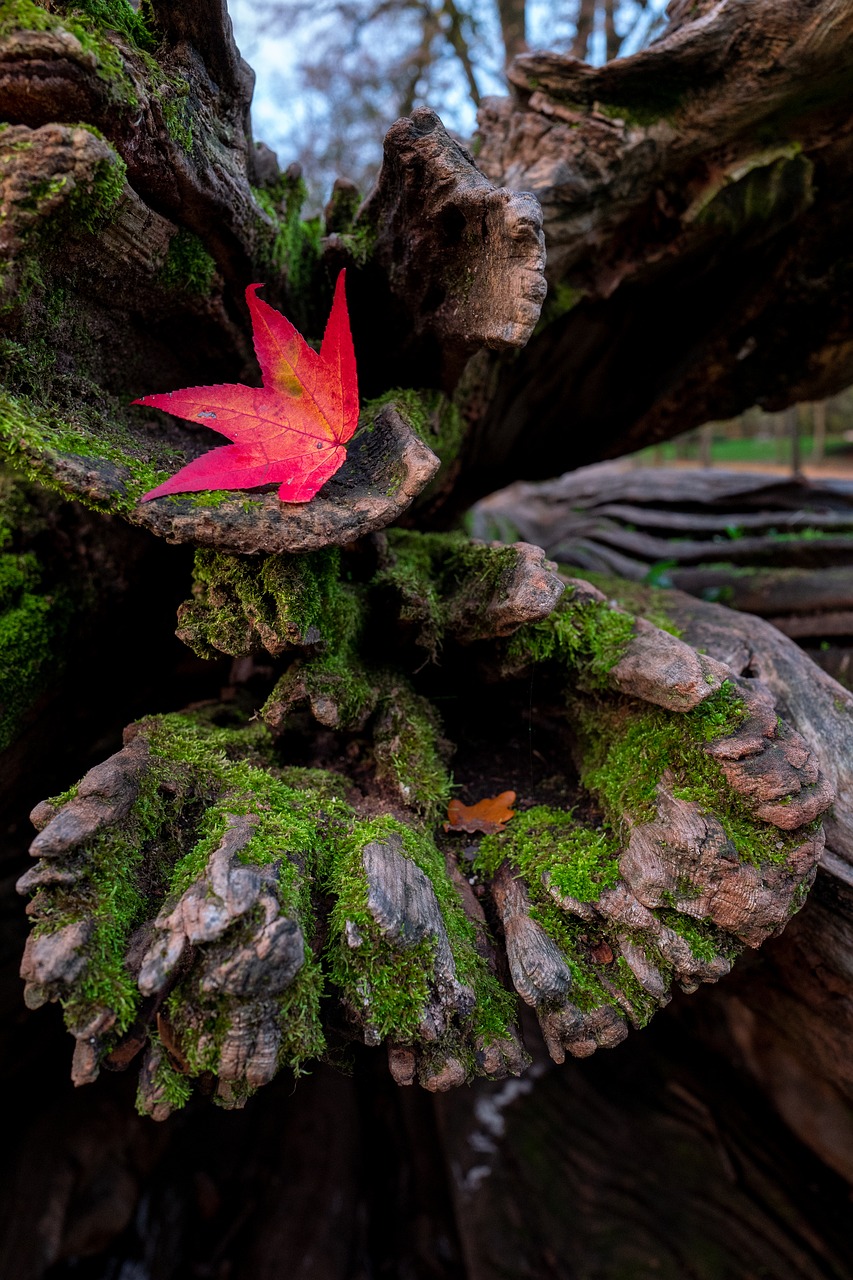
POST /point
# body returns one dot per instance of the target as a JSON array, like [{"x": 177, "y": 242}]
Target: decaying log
[
  {"x": 790, "y": 1022},
  {"x": 787, "y": 1020},
  {"x": 196, "y": 892},
  {"x": 673, "y": 1165},
  {"x": 386, "y": 468},
  {"x": 463, "y": 261},
  {"x": 181, "y": 211},
  {"x": 182, "y": 129},
  {"x": 781, "y": 548},
  {"x": 721, "y": 191},
  {"x": 699, "y": 181}
]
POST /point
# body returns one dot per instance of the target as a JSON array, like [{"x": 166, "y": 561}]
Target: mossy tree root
[
  {"x": 178, "y": 907},
  {"x": 197, "y": 893}
]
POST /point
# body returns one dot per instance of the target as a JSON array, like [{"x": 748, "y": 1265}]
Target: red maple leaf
[{"x": 292, "y": 430}]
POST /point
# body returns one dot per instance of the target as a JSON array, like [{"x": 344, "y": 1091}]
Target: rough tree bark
[{"x": 262, "y": 880}]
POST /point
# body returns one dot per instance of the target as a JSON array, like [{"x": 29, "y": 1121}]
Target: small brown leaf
[{"x": 487, "y": 816}]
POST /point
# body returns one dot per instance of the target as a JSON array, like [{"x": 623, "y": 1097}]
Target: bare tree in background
[{"x": 390, "y": 56}]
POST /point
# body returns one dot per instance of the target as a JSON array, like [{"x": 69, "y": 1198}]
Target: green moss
[
  {"x": 359, "y": 243},
  {"x": 36, "y": 438},
  {"x": 770, "y": 186},
  {"x": 578, "y": 861},
  {"x": 340, "y": 690},
  {"x": 295, "y": 246},
  {"x": 339, "y": 678},
  {"x": 626, "y": 751},
  {"x": 87, "y": 21},
  {"x": 241, "y": 603},
  {"x": 562, "y": 298},
  {"x": 33, "y": 626},
  {"x": 120, "y": 16},
  {"x": 392, "y": 982},
  {"x": 188, "y": 266},
  {"x": 295, "y": 814},
  {"x": 176, "y": 1089},
  {"x": 407, "y": 751},
  {"x": 88, "y": 200},
  {"x": 573, "y": 938},
  {"x": 638, "y": 115},
  {"x": 719, "y": 716},
  {"x": 441, "y": 580},
  {"x": 339, "y": 214},
  {"x": 175, "y": 104},
  {"x": 306, "y": 829},
  {"x": 115, "y": 904},
  {"x": 586, "y": 640},
  {"x": 705, "y": 940},
  {"x": 647, "y": 602},
  {"x": 188, "y": 754},
  {"x": 90, "y": 207}
]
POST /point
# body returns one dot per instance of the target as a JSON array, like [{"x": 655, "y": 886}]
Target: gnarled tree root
[{"x": 196, "y": 893}]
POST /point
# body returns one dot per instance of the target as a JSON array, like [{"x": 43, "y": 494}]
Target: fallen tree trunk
[
  {"x": 694, "y": 211},
  {"x": 212, "y": 877},
  {"x": 718, "y": 204}
]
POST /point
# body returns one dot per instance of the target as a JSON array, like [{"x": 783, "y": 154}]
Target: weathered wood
[
  {"x": 712, "y": 533},
  {"x": 202, "y": 214},
  {"x": 386, "y": 468},
  {"x": 686, "y": 200},
  {"x": 239, "y": 935},
  {"x": 226, "y": 933},
  {"x": 789, "y": 1018},
  {"x": 461, "y": 260},
  {"x": 698, "y": 180},
  {"x": 655, "y": 1160},
  {"x": 786, "y": 1019}
]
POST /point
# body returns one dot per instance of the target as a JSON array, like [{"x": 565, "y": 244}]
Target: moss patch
[
  {"x": 578, "y": 861},
  {"x": 175, "y": 1088},
  {"x": 430, "y": 414},
  {"x": 408, "y": 753},
  {"x": 188, "y": 268},
  {"x": 88, "y": 21},
  {"x": 586, "y": 640},
  {"x": 295, "y": 246},
  {"x": 120, "y": 16},
  {"x": 562, "y": 298},
  {"x": 646, "y": 602},
  {"x": 705, "y": 940},
  {"x": 242, "y": 604},
  {"x": 33, "y": 625},
  {"x": 772, "y": 186},
  {"x": 439, "y": 579},
  {"x": 392, "y": 982},
  {"x": 37, "y": 438},
  {"x": 627, "y": 749}
]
